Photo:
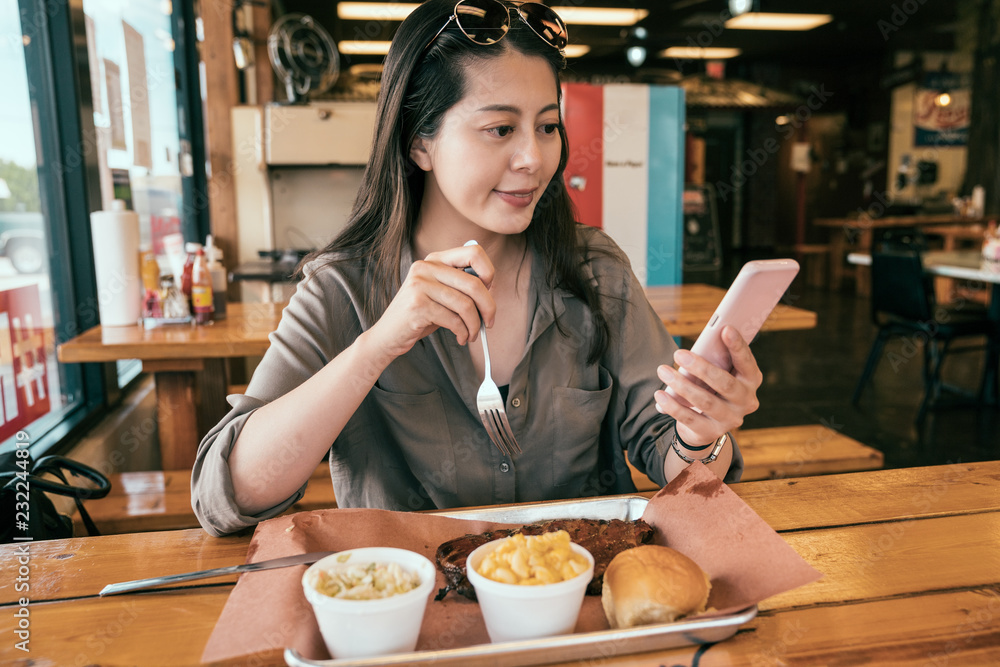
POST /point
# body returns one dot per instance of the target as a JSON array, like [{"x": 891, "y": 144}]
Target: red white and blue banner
[{"x": 626, "y": 170}]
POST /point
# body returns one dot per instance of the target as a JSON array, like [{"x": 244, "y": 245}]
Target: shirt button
[
  {"x": 504, "y": 467},
  {"x": 516, "y": 402}
]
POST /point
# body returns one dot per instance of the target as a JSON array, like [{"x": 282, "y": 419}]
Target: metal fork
[
  {"x": 491, "y": 408},
  {"x": 490, "y": 402}
]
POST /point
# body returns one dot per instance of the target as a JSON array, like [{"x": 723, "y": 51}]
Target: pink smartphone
[{"x": 747, "y": 304}]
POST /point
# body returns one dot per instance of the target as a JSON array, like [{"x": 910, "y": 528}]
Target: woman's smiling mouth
[{"x": 519, "y": 198}]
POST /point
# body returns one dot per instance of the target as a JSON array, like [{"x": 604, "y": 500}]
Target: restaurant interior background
[{"x": 780, "y": 128}]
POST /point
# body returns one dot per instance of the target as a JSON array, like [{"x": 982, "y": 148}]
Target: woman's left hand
[{"x": 724, "y": 399}]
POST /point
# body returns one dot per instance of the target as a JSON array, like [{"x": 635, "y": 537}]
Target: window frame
[
  {"x": 57, "y": 67},
  {"x": 63, "y": 191}
]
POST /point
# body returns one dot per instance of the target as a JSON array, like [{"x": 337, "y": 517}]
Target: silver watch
[{"x": 716, "y": 450}]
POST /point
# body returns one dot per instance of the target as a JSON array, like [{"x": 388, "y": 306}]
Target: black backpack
[{"x": 29, "y": 513}]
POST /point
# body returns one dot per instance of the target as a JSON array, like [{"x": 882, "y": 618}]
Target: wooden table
[
  {"x": 188, "y": 363},
  {"x": 686, "y": 309},
  {"x": 910, "y": 557},
  {"x": 857, "y": 233}
]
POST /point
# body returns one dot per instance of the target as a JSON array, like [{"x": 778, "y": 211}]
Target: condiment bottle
[
  {"x": 149, "y": 269},
  {"x": 192, "y": 250},
  {"x": 174, "y": 305},
  {"x": 201, "y": 289},
  {"x": 220, "y": 284}
]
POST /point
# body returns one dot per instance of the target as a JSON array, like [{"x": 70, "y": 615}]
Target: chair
[{"x": 903, "y": 304}]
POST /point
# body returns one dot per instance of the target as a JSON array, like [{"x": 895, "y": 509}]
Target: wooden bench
[{"x": 161, "y": 500}]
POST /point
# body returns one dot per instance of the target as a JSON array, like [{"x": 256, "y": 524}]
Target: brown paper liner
[{"x": 696, "y": 514}]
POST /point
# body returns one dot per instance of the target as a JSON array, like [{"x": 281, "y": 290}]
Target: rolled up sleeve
[
  {"x": 303, "y": 343},
  {"x": 213, "y": 497}
]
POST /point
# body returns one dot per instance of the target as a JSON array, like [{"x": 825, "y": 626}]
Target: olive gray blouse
[{"x": 416, "y": 441}]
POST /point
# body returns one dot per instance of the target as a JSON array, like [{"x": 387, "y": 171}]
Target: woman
[{"x": 373, "y": 354}]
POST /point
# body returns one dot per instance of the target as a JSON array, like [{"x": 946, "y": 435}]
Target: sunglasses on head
[{"x": 487, "y": 21}]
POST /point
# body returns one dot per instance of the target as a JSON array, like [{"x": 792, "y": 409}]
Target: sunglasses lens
[
  {"x": 546, "y": 23},
  {"x": 482, "y": 21}
]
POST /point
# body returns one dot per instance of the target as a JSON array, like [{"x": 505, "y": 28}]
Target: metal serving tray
[
  {"x": 627, "y": 508},
  {"x": 563, "y": 647}
]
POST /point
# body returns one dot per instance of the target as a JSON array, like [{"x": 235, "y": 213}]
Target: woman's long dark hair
[{"x": 419, "y": 84}]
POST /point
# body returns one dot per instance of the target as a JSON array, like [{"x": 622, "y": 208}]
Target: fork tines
[{"x": 498, "y": 428}]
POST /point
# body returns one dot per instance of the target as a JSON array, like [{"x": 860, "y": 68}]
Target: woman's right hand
[{"x": 437, "y": 292}]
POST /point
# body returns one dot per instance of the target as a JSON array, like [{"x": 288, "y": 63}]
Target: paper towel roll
[{"x": 115, "y": 236}]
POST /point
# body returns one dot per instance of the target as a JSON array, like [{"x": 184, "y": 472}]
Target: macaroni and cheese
[{"x": 533, "y": 560}]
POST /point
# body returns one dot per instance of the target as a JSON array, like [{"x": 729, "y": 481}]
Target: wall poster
[{"x": 938, "y": 124}]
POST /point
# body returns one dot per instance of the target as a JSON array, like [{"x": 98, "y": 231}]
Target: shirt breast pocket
[
  {"x": 418, "y": 424},
  {"x": 578, "y": 415}
]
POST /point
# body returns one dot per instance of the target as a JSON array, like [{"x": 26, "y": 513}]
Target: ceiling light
[
  {"x": 636, "y": 55},
  {"x": 698, "y": 53},
  {"x": 368, "y": 11},
  {"x": 600, "y": 15},
  {"x": 397, "y": 11},
  {"x": 768, "y": 21},
  {"x": 356, "y": 47},
  {"x": 575, "y": 50},
  {"x": 943, "y": 99}
]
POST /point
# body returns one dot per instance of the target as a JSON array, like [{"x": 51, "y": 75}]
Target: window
[
  {"x": 130, "y": 58},
  {"x": 91, "y": 112},
  {"x": 36, "y": 392}
]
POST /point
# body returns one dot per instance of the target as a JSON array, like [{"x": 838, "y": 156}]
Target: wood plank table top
[
  {"x": 686, "y": 309},
  {"x": 188, "y": 363},
  {"x": 242, "y": 333},
  {"x": 855, "y": 234},
  {"x": 910, "y": 558}
]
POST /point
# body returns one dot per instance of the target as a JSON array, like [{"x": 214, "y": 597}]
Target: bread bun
[{"x": 652, "y": 584}]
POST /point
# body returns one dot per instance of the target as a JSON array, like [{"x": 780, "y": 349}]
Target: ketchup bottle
[
  {"x": 201, "y": 289},
  {"x": 192, "y": 250}
]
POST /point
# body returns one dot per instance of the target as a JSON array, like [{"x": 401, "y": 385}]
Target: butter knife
[{"x": 287, "y": 561}]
